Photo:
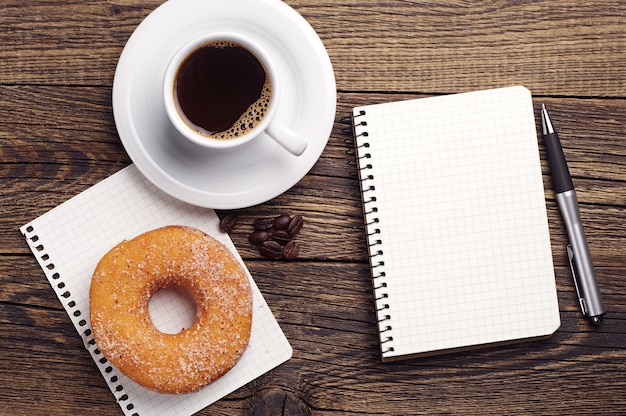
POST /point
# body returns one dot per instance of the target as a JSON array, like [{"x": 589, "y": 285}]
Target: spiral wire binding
[
  {"x": 372, "y": 221},
  {"x": 59, "y": 286}
]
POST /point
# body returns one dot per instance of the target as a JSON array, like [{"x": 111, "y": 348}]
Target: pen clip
[{"x": 572, "y": 265}]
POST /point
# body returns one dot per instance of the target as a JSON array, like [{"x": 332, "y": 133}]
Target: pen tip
[
  {"x": 597, "y": 320},
  {"x": 546, "y": 123}
]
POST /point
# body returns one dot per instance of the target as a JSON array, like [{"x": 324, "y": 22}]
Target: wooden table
[{"x": 57, "y": 138}]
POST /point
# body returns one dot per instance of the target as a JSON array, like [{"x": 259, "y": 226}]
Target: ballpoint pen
[{"x": 578, "y": 254}]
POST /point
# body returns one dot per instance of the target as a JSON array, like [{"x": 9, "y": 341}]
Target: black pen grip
[{"x": 561, "y": 179}]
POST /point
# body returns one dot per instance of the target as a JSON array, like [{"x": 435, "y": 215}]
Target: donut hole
[{"x": 172, "y": 309}]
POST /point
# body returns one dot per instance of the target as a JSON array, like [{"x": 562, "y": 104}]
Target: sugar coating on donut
[{"x": 121, "y": 288}]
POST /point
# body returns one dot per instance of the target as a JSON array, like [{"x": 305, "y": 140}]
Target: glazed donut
[{"x": 130, "y": 273}]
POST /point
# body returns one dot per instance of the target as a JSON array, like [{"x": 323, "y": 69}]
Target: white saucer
[{"x": 226, "y": 179}]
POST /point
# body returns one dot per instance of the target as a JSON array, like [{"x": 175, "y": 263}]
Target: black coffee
[{"x": 222, "y": 90}]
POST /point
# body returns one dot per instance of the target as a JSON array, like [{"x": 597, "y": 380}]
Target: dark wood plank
[
  {"x": 66, "y": 42},
  {"x": 336, "y": 366},
  {"x": 458, "y": 45},
  {"x": 425, "y": 47},
  {"x": 47, "y": 165}
]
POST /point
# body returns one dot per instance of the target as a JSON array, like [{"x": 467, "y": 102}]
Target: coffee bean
[
  {"x": 228, "y": 223},
  {"x": 262, "y": 224},
  {"x": 271, "y": 249},
  {"x": 295, "y": 225},
  {"x": 274, "y": 236},
  {"x": 281, "y": 236},
  {"x": 258, "y": 237},
  {"x": 282, "y": 222},
  {"x": 291, "y": 250}
]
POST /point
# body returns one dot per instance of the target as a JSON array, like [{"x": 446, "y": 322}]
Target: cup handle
[{"x": 287, "y": 138}]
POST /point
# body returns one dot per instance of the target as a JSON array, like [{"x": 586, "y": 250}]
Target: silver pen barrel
[{"x": 585, "y": 276}]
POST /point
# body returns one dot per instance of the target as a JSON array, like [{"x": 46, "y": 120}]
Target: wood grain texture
[
  {"x": 58, "y": 137},
  {"x": 427, "y": 46}
]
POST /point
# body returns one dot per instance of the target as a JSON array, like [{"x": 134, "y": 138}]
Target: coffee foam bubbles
[{"x": 250, "y": 118}]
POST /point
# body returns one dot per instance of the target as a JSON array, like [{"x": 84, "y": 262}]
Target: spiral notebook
[
  {"x": 456, "y": 222},
  {"x": 68, "y": 242}
]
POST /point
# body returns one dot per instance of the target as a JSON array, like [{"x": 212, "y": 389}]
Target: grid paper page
[
  {"x": 461, "y": 220},
  {"x": 68, "y": 242}
]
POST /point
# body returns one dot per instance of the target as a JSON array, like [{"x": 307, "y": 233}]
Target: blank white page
[
  {"x": 68, "y": 242},
  {"x": 459, "y": 221}
]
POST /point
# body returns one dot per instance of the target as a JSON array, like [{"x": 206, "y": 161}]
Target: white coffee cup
[{"x": 280, "y": 133}]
